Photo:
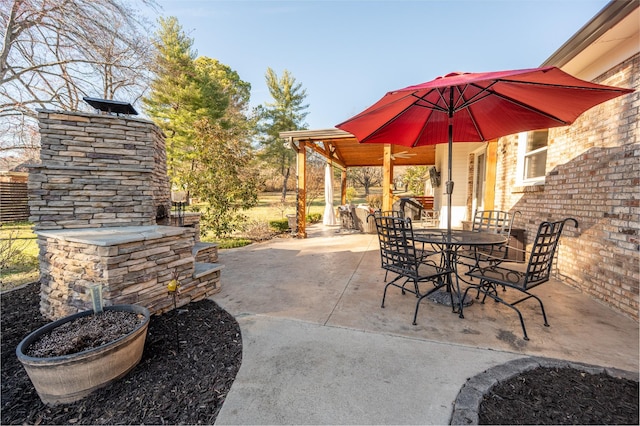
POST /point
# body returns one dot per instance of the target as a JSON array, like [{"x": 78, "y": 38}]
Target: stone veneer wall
[
  {"x": 97, "y": 170},
  {"x": 130, "y": 273},
  {"x": 593, "y": 174},
  {"x": 94, "y": 201}
]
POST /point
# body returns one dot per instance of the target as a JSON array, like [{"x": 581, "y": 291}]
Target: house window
[{"x": 532, "y": 157}]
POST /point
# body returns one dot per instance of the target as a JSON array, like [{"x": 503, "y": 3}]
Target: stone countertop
[{"x": 111, "y": 236}]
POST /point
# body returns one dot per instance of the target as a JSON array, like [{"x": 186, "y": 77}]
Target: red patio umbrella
[{"x": 475, "y": 107}]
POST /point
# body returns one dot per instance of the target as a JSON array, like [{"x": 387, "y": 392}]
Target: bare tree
[
  {"x": 315, "y": 179},
  {"x": 365, "y": 177},
  {"x": 20, "y": 141},
  {"x": 54, "y": 52}
]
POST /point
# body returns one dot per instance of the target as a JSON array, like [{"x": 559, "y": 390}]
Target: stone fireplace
[{"x": 100, "y": 202}]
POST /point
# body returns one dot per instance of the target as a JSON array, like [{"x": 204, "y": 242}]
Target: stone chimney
[
  {"x": 98, "y": 171},
  {"x": 99, "y": 201}
]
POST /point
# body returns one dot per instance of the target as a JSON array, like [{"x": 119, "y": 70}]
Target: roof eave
[{"x": 614, "y": 12}]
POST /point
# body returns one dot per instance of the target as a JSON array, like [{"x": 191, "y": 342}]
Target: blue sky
[{"x": 348, "y": 54}]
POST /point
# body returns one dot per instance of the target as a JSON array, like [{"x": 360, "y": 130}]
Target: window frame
[{"x": 523, "y": 154}]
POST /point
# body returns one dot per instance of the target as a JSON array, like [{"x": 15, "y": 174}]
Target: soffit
[{"x": 345, "y": 150}]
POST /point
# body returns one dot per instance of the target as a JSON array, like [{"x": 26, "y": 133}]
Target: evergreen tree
[
  {"x": 173, "y": 100},
  {"x": 286, "y": 112},
  {"x": 415, "y": 178},
  {"x": 224, "y": 174},
  {"x": 201, "y": 105}
]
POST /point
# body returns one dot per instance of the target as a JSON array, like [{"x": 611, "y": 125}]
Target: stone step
[
  {"x": 205, "y": 252},
  {"x": 201, "y": 269}
]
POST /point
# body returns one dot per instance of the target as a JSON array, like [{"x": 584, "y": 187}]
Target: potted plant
[{"x": 70, "y": 377}]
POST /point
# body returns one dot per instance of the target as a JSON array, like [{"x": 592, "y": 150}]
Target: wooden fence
[{"x": 14, "y": 202}]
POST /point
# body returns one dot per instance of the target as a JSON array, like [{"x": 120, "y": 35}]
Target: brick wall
[{"x": 593, "y": 175}]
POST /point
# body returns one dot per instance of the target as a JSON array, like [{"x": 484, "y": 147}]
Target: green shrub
[
  {"x": 351, "y": 193},
  {"x": 280, "y": 225},
  {"x": 314, "y": 217},
  {"x": 227, "y": 243}
]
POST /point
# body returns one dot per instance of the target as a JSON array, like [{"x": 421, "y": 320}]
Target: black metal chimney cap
[{"x": 110, "y": 105}]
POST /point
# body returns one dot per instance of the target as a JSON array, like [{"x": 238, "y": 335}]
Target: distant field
[{"x": 270, "y": 208}]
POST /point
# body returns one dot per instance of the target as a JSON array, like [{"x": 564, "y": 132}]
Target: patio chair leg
[
  {"x": 393, "y": 282},
  {"x": 544, "y": 315},
  {"x": 524, "y": 330},
  {"x": 464, "y": 296},
  {"x": 415, "y": 314},
  {"x": 498, "y": 299},
  {"x": 384, "y": 294}
]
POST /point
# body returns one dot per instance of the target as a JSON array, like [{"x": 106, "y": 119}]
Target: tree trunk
[{"x": 284, "y": 183}]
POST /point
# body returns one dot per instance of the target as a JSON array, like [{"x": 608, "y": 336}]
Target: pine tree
[
  {"x": 177, "y": 98},
  {"x": 200, "y": 104},
  {"x": 286, "y": 112}
]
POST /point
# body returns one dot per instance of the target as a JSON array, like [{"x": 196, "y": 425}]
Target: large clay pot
[{"x": 68, "y": 378}]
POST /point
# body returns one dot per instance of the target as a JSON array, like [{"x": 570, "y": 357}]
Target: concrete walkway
[{"x": 318, "y": 349}]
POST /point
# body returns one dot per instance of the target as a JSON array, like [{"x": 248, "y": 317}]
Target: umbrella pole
[
  {"x": 450, "y": 258},
  {"x": 449, "y": 183}
]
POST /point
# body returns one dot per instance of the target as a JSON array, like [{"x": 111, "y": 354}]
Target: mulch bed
[
  {"x": 191, "y": 357},
  {"x": 546, "y": 396},
  {"x": 187, "y": 383}
]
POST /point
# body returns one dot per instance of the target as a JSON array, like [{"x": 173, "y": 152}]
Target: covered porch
[{"x": 342, "y": 150}]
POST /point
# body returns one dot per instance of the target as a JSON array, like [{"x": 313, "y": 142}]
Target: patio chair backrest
[
  {"x": 397, "y": 250},
  {"x": 495, "y": 221},
  {"x": 543, "y": 252}
]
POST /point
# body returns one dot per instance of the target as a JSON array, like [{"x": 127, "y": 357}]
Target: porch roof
[{"x": 344, "y": 150}]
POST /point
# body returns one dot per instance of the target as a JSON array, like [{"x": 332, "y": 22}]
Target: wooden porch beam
[
  {"x": 490, "y": 177},
  {"x": 387, "y": 179},
  {"x": 302, "y": 190}
]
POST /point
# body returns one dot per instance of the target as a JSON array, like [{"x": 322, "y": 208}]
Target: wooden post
[
  {"x": 387, "y": 179},
  {"x": 490, "y": 178},
  {"x": 302, "y": 190}
]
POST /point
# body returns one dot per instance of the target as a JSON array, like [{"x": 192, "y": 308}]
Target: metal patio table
[{"x": 459, "y": 238}]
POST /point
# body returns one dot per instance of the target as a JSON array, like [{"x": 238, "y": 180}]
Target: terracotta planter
[{"x": 67, "y": 378}]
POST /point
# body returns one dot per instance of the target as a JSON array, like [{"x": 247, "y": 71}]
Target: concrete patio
[{"x": 319, "y": 349}]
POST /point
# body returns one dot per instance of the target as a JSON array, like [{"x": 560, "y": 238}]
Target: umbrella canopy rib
[
  {"x": 522, "y": 105},
  {"x": 390, "y": 121},
  {"x": 475, "y": 107},
  {"x": 431, "y": 105}
]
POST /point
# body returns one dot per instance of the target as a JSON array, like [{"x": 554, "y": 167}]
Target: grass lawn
[
  {"x": 271, "y": 208},
  {"x": 18, "y": 255},
  {"x": 19, "y": 249}
]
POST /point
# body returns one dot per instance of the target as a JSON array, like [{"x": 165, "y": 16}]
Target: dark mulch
[
  {"x": 551, "y": 396},
  {"x": 172, "y": 384},
  {"x": 189, "y": 386}
]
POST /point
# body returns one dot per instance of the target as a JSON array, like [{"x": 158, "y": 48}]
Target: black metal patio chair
[
  {"x": 538, "y": 271},
  {"x": 400, "y": 256},
  {"x": 494, "y": 221},
  {"x": 426, "y": 253}
]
